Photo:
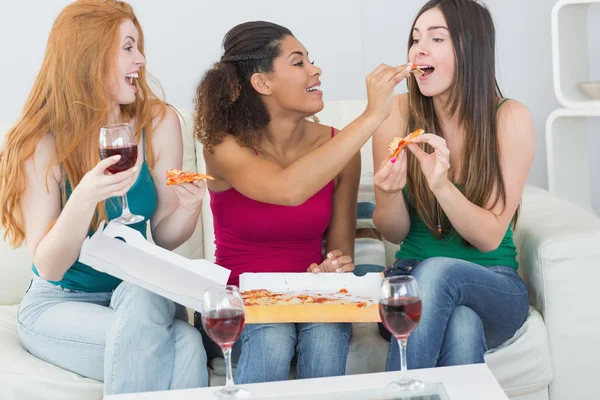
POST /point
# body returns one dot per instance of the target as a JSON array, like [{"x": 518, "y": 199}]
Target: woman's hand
[
  {"x": 98, "y": 184},
  {"x": 391, "y": 177},
  {"x": 336, "y": 261},
  {"x": 380, "y": 88},
  {"x": 435, "y": 165},
  {"x": 191, "y": 195}
]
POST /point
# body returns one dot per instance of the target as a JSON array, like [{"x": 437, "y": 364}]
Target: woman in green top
[
  {"x": 54, "y": 191},
  {"x": 452, "y": 201}
]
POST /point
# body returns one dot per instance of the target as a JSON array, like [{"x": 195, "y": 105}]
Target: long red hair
[{"x": 71, "y": 99}]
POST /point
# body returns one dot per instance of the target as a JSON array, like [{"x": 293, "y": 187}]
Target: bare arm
[
  {"x": 267, "y": 182},
  {"x": 391, "y": 212},
  {"x": 342, "y": 227},
  {"x": 485, "y": 228},
  {"x": 171, "y": 223},
  {"x": 55, "y": 247}
]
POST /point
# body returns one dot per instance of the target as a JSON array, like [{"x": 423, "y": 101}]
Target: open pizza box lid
[
  {"x": 138, "y": 261},
  {"x": 361, "y": 299}
]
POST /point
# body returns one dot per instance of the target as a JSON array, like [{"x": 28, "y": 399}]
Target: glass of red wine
[
  {"x": 223, "y": 320},
  {"x": 119, "y": 139},
  {"x": 400, "y": 311}
]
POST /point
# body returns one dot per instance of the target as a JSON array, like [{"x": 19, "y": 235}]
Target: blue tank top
[{"x": 143, "y": 200}]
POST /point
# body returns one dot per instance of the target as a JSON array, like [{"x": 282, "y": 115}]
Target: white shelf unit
[
  {"x": 570, "y": 52},
  {"x": 568, "y": 152}
]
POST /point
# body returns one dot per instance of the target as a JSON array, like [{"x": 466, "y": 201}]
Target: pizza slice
[
  {"x": 177, "y": 177},
  {"x": 398, "y": 143},
  {"x": 416, "y": 69}
]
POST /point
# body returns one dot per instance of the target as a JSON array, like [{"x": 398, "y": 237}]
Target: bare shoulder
[
  {"x": 228, "y": 146},
  {"x": 317, "y": 134},
  {"x": 45, "y": 155},
  {"x": 515, "y": 120},
  {"x": 165, "y": 119}
]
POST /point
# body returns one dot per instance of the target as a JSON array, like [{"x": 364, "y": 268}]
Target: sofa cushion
[
  {"x": 23, "y": 376},
  {"x": 369, "y": 248},
  {"x": 15, "y": 273},
  {"x": 522, "y": 364}
]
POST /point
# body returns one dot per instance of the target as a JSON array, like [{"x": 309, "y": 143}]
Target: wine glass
[
  {"x": 119, "y": 139},
  {"x": 400, "y": 311},
  {"x": 223, "y": 320}
]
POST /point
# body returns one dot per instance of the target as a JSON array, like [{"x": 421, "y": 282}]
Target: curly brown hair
[{"x": 225, "y": 101}]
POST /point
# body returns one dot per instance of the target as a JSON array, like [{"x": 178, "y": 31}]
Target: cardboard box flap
[{"x": 136, "y": 260}]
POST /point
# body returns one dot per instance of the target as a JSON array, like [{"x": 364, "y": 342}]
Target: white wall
[
  {"x": 594, "y": 126},
  {"x": 347, "y": 39}
]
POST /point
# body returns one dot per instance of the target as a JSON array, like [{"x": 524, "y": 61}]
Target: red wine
[
  {"x": 128, "y": 157},
  {"x": 400, "y": 315},
  {"x": 224, "y": 326}
]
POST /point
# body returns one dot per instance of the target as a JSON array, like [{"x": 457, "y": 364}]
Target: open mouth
[
  {"x": 427, "y": 69},
  {"x": 129, "y": 78},
  {"x": 314, "y": 89}
]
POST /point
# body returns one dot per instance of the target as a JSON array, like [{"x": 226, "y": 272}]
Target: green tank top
[
  {"x": 420, "y": 244},
  {"x": 143, "y": 200}
]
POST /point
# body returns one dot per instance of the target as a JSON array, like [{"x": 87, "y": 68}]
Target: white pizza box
[
  {"x": 138, "y": 261},
  {"x": 360, "y": 301}
]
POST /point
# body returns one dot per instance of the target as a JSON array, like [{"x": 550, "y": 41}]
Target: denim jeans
[
  {"x": 467, "y": 309},
  {"x": 267, "y": 351},
  {"x": 129, "y": 338}
]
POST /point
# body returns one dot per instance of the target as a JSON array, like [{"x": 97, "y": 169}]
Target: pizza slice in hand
[
  {"x": 416, "y": 69},
  {"x": 177, "y": 177},
  {"x": 398, "y": 143}
]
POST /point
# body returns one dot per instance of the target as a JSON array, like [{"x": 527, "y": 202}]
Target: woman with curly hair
[
  {"x": 283, "y": 184},
  {"x": 54, "y": 191}
]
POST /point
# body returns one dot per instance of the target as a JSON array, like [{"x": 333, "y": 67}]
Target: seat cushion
[
  {"x": 522, "y": 365},
  {"x": 25, "y": 377}
]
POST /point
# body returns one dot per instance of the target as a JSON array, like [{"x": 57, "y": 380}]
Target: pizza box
[
  {"x": 136, "y": 260},
  {"x": 361, "y": 298}
]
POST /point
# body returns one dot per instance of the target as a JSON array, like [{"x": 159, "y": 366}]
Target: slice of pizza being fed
[
  {"x": 416, "y": 69},
  {"x": 398, "y": 143},
  {"x": 177, "y": 177}
]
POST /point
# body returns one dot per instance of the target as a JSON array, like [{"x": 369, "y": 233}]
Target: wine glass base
[
  {"x": 234, "y": 392},
  {"x": 128, "y": 219},
  {"x": 406, "y": 385}
]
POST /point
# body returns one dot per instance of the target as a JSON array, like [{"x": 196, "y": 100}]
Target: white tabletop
[{"x": 466, "y": 382}]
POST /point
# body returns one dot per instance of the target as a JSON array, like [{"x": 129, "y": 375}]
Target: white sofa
[{"x": 552, "y": 356}]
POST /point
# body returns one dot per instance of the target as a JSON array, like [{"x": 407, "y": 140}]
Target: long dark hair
[
  {"x": 226, "y": 102},
  {"x": 474, "y": 97}
]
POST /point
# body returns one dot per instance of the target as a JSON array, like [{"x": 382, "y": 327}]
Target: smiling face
[
  {"x": 128, "y": 63},
  {"x": 294, "y": 84},
  {"x": 432, "y": 49}
]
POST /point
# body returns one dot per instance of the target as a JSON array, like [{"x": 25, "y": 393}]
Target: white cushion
[
  {"x": 15, "y": 273},
  {"x": 522, "y": 365},
  {"x": 193, "y": 247},
  {"x": 24, "y": 377},
  {"x": 559, "y": 249}
]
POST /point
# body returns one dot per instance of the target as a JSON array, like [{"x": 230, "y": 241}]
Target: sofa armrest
[{"x": 559, "y": 256}]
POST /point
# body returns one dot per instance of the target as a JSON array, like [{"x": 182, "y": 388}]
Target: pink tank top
[{"x": 251, "y": 236}]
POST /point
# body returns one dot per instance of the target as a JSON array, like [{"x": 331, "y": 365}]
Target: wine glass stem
[
  {"x": 402, "y": 345},
  {"x": 227, "y": 354},
  {"x": 125, "y": 206}
]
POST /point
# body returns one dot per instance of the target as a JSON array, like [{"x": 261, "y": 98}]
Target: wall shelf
[
  {"x": 567, "y": 131},
  {"x": 570, "y": 52}
]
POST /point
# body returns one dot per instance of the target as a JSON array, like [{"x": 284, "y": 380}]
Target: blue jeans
[
  {"x": 128, "y": 338},
  {"x": 267, "y": 351},
  {"x": 467, "y": 309}
]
